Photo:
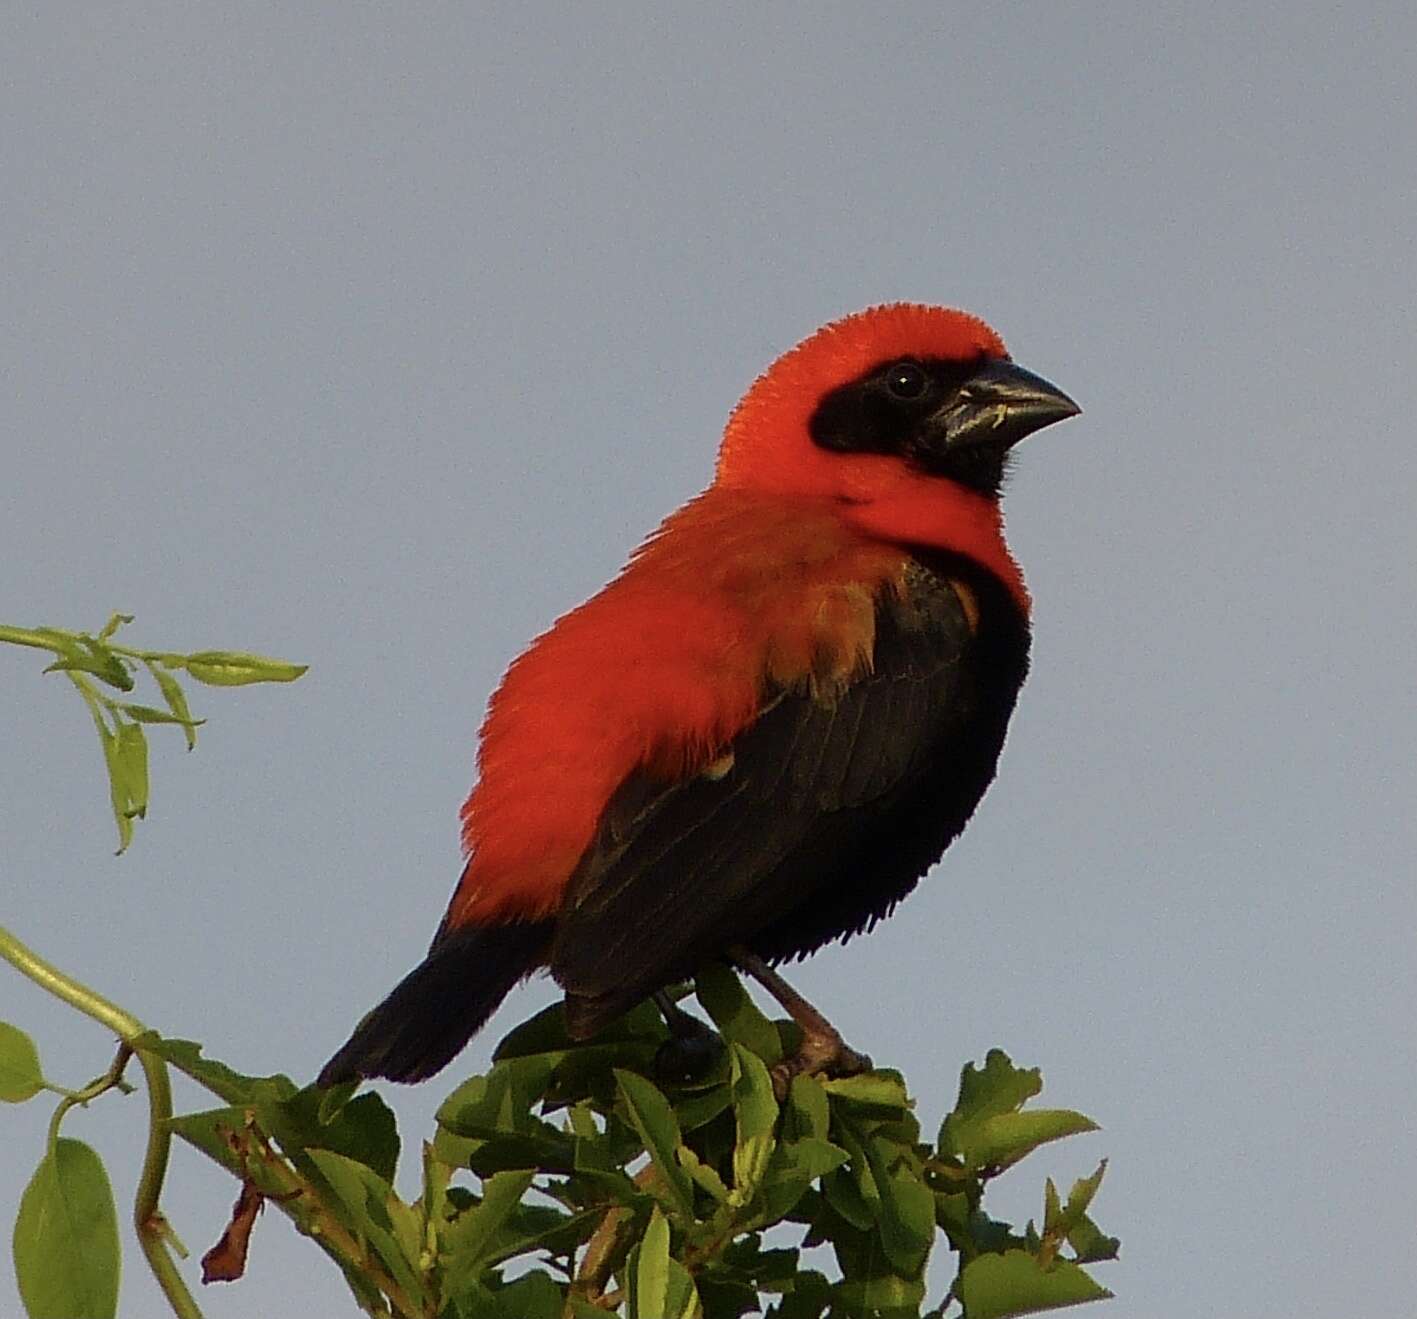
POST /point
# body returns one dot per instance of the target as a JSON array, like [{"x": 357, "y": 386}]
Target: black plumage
[{"x": 833, "y": 807}]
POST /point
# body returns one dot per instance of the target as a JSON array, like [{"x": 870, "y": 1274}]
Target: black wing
[{"x": 827, "y": 816}]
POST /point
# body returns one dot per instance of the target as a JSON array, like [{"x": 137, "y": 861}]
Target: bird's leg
[
  {"x": 682, "y": 1025},
  {"x": 822, "y": 1048}
]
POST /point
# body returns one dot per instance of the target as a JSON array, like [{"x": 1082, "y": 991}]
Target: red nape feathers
[{"x": 760, "y": 735}]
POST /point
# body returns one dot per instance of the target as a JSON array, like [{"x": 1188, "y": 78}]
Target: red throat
[{"x": 912, "y": 509}]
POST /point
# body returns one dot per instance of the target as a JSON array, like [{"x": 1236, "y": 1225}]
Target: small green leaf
[
  {"x": 811, "y": 1157},
  {"x": 735, "y": 1014},
  {"x": 703, "y": 1174},
  {"x": 843, "y": 1192},
  {"x": 997, "y": 1087},
  {"x": 881, "y": 1295},
  {"x": 1060, "y": 1221},
  {"x": 794, "y": 1166},
  {"x": 221, "y": 1080},
  {"x": 115, "y": 621},
  {"x": 808, "y": 1297},
  {"x": 653, "y": 1119},
  {"x": 907, "y": 1206},
  {"x": 472, "y": 1239},
  {"x": 878, "y": 1094},
  {"x": 117, "y": 789},
  {"x": 20, "y": 1076},
  {"x": 1001, "y": 1141},
  {"x": 371, "y": 1209},
  {"x": 755, "y": 1117},
  {"x": 501, "y": 1100},
  {"x": 176, "y": 700},
  {"x": 147, "y": 714},
  {"x": 660, "y": 1287},
  {"x": 1081, "y": 1196},
  {"x": 986, "y": 1128},
  {"x": 649, "y": 1290},
  {"x": 1090, "y": 1244},
  {"x": 210, "y": 1131},
  {"x": 363, "y": 1129},
  {"x": 133, "y": 754},
  {"x": 234, "y": 668},
  {"x": 695, "y": 1110},
  {"x": 66, "y": 1237},
  {"x": 857, "y": 1173},
  {"x": 808, "y": 1111},
  {"x": 533, "y": 1296},
  {"x": 997, "y": 1286},
  {"x": 84, "y": 654}
]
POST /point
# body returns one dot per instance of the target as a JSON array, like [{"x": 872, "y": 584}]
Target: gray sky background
[{"x": 374, "y": 337}]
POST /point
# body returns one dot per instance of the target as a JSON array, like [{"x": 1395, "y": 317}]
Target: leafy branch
[
  {"x": 90, "y": 660},
  {"x": 602, "y": 1176},
  {"x": 645, "y": 1172}
]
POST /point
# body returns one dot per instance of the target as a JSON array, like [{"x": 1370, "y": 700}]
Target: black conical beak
[{"x": 998, "y": 405}]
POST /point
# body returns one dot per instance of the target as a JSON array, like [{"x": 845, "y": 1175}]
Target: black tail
[{"x": 438, "y": 1007}]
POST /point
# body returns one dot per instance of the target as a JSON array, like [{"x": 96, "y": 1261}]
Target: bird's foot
[
  {"x": 819, "y": 1052},
  {"x": 692, "y": 1052}
]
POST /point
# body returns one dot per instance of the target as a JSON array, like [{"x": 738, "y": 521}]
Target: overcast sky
[{"x": 374, "y": 337}]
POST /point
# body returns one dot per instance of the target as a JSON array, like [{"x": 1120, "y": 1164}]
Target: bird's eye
[{"x": 906, "y": 380}]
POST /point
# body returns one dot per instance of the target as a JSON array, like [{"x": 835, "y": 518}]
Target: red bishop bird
[{"x": 772, "y": 723}]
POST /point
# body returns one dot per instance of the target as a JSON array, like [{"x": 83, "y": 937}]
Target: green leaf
[
  {"x": 85, "y": 654},
  {"x": 808, "y": 1298},
  {"x": 147, "y": 714},
  {"x": 703, "y": 1174},
  {"x": 811, "y": 1157},
  {"x": 210, "y": 1131},
  {"x": 364, "y": 1129},
  {"x": 907, "y": 1206},
  {"x": 501, "y": 1100},
  {"x": 133, "y": 753},
  {"x": 176, "y": 700},
  {"x": 234, "y": 668},
  {"x": 471, "y": 1241},
  {"x": 858, "y": 1175},
  {"x": 1001, "y": 1141},
  {"x": 755, "y": 1118},
  {"x": 698, "y": 1109},
  {"x": 808, "y": 1111},
  {"x": 653, "y": 1119},
  {"x": 794, "y": 1166},
  {"x": 20, "y": 1077},
  {"x": 996, "y": 1286},
  {"x": 221, "y": 1080},
  {"x": 1090, "y": 1244},
  {"x": 660, "y": 1287},
  {"x": 997, "y": 1087},
  {"x": 517, "y": 1153},
  {"x": 533, "y": 1296},
  {"x": 546, "y": 1033},
  {"x": 115, "y": 621},
  {"x": 986, "y": 1128},
  {"x": 117, "y": 789},
  {"x": 876, "y": 1094},
  {"x": 1060, "y": 1221},
  {"x": 374, "y": 1212},
  {"x": 66, "y": 1237},
  {"x": 723, "y": 1297},
  {"x": 843, "y": 1193},
  {"x": 735, "y": 1014},
  {"x": 880, "y": 1295}
]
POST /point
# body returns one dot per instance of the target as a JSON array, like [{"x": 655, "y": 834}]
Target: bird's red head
[{"x": 902, "y": 391}]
